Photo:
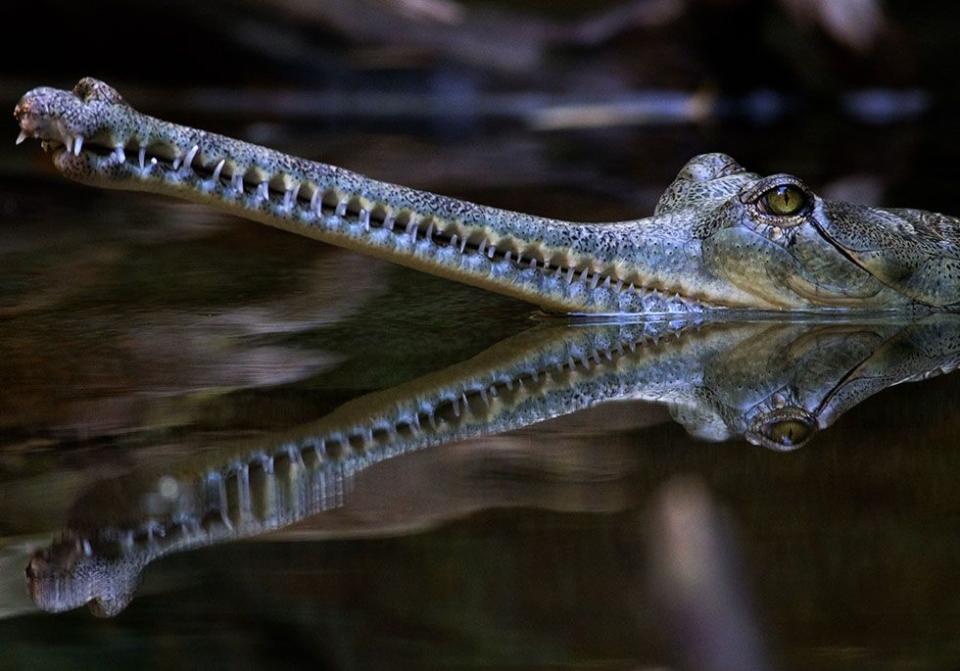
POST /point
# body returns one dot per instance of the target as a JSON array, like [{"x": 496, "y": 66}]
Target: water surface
[{"x": 147, "y": 346}]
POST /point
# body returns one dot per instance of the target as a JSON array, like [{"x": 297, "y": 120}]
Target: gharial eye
[
  {"x": 785, "y": 200},
  {"x": 786, "y": 430},
  {"x": 789, "y": 433}
]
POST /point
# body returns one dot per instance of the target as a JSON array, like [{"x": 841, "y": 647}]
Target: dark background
[{"x": 829, "y": 89}]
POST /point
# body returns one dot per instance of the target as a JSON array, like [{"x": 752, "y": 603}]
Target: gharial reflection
[{"x": 775, "y": 384}]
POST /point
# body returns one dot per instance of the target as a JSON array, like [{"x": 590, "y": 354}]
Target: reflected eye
[
  {"x": 784, "y": 200},
  {"x": 786, "y": 429},
  {"x": 789, "y": 433}
]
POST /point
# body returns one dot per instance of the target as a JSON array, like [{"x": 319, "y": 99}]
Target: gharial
[
  {"x": 777, "y": 384},
  {"x": 721, "y": 238}
]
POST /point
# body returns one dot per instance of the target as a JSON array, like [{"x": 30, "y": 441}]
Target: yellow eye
[
  {"x": 784, "y": 200},
  {"x": 783, "y": 429},
  {"x": 789, "y": 433}
]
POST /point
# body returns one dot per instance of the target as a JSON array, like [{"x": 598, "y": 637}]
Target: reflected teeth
[
  {"x": 188, "y": 159},
  {"x": 22, "y": 136}
]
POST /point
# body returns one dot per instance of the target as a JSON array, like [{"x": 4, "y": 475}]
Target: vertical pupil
[{"x": 786, "y": 197}]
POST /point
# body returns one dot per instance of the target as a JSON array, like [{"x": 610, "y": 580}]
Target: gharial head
[
  {"x": 779, "y": 383},
  {"x": 72, "y": 572},
  {"x": 776, "y": 239},
  {"x": 722, "y": 236},
  {"x": 87, "y": 129}
]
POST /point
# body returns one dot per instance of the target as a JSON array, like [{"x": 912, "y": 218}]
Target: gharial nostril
[
  {"x": 89, "y": 89},
  {"x": 32, "y": 569}
]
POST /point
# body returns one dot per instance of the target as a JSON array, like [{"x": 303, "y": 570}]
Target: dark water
[{"x": 152, "y": 353}]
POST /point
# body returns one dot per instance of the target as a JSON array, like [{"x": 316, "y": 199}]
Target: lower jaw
[{"x": 555, "y": 290}]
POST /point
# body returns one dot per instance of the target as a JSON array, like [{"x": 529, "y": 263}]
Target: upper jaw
[
  {"x": 51, "y": 116},
  {"x": 61, "y": 119}
]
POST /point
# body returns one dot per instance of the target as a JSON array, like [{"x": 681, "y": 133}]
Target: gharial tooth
[
  {"x": 22, "y": 136},
  {"x": 315, "y": 203},
  {"x": 77, "y": 145},
  {"x": 118, "y": 154},
  {"x": 216, "y": 171},
  {"x": 68, "y": 142},
  {"x": 142, "y": 157},
  {"x": 188, "y": 159}
]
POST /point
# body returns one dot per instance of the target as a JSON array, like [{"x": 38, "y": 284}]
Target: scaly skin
[
  {"x": 776, "y": 384},
  {"x": 714, "y": 243}
]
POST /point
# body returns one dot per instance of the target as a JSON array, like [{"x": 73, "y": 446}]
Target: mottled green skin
[
  {"x": 776, "y": 384},
  {"x": 712, "y": 244}
]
